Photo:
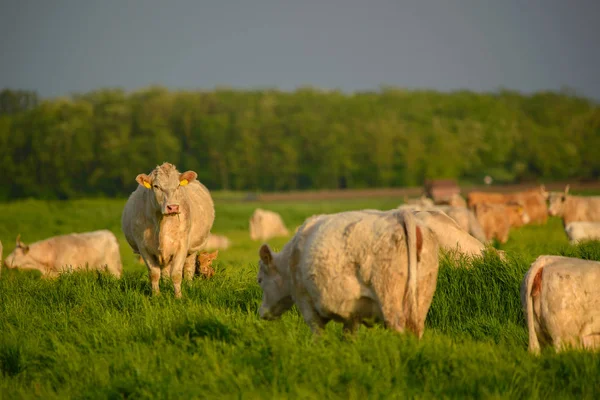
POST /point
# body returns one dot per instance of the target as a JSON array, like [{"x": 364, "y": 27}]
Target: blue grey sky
[{"x": 59, "y": 47}]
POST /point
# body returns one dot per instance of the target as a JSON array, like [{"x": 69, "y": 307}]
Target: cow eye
[{"x": 155, "y": 186}]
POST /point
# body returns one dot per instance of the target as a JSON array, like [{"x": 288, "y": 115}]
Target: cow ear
[
  {"x": 567, "y": 189},
  {"x": 187, "y": 177},
  {"x": 22, "y": 245},
  {"x": 265, "y": 254},
  {"x": 144, "y": 180}
]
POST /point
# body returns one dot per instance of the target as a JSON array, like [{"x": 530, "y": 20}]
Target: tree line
[{"x": 268, "y": 140}]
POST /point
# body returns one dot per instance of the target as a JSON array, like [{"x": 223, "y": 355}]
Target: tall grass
[{"x": 88, "y": 335}]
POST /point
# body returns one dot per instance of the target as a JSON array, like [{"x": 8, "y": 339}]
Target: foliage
[
  {"x": 96, "y": 143},
  {"x": 88, "y": 335}
]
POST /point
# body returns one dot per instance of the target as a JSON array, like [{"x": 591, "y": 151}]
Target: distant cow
[
  {"x": 455, "y": 200},
  {"x": 265, "y": 224},
  {"x": 466, "y": 219},
  {"x": 167, "y": 220},
  {"x": 574, "y": 208},
  {"x": 533, "y": 201},
  {"x": 217, "y": 242},
  {"x": 497, "y": 219},
  {"x": 561, "y": 301},
  {"x": 450, "y": 235},
  {"x": 95, "y": 250},
  {"x": 353, "y": 267},
  {"x": 422, "y": 201},
  {"x": 583, "y": 230}
]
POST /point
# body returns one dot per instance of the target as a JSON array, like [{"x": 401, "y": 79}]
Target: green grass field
[{"x": 87, "y": 335}]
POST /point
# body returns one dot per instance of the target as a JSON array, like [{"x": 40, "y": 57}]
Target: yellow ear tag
[
  {"x": 183, "y": 182},
  {"x": 147, "y": 185}
]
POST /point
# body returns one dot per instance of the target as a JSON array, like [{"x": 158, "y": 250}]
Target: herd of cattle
[{"x": 355, "y": 267}]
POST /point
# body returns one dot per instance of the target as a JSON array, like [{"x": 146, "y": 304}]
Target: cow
[
  {"x": 167, "y": 220},
  {"x": 574, "y": 208},
  {"x": 497, "y": 219},
  {"x": 561, "y": 302},
  {"x": 422, "y": 201},
  {"x": 455, "y": 200},
  {"x": 204, "y": 262},
  {"x": 583, "y": 230},
  {"x": 265, "y": 224},
  {"x": 353, "y": 267},
  {"x": 450, "y": 235},
  {"x": 64, "y": 253},
  {"x": 533, "y": 201},
  {"x": 217, "y": 242},
  {"x": 466, "y": 219}
]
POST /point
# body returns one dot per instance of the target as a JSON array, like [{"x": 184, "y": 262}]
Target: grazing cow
[
  {"x": 422, "y": 201},
  {"x": 583, "y": 230},
  {"x": 353, "y": 267},
  {"x": 561, "y": 301},
  {"x": 450, "y": 235},
  {"x": 265, "y": 224},
  {"x": 574, "y": 208},
  {"x": 204, "y": 262},
  {"x": 497, "y": 219},
  {"x": 217, "y": 242},
  {"x": 466, "y": 219},
  {"x": 533, "y": 201},
  {"x": 167, "y": 220},
  {"x": 96, "y": 250}
]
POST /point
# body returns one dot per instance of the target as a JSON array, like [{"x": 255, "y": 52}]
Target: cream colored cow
[
  {"x": 167, "y": 220},
  {"x": 215, "y": 242},
  {"x": 583, "y": 230},
  {"x": 353, "y": 267},
  {"x": 574, "y": 208},
  {"x": 265, "y": 224},
  {"x": 96, "y": 250},
  {"x": 561, "y": 301}
]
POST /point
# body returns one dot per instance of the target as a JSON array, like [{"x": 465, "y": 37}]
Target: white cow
[
  {"x": 579, "y": 231},
  {"x": 353, "y": 267},
  {"x": 265, "y": 224},
  {"x": 96, "y": 250},
  {"x": 167, "y": 220},
  {"x": 561, "y": 301}
]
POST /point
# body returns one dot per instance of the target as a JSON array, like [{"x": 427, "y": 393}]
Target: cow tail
[
  {"x": 527, "y": 302},
  {"x": 411, "y": 243}
]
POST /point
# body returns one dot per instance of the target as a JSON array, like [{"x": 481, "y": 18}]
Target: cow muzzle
[{"x": 171, "y": 209}]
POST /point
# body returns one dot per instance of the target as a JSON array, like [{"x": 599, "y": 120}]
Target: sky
[{"x": 59, "y": 47}]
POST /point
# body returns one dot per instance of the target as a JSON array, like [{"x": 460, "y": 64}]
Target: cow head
[
  {"x": 556, "y": 202},
  {"x": 517, "y": 214},
  {"x": 165, "y": 182},
  {"x": 20, "y": 256},
  {"x": 277, "y": 294}
]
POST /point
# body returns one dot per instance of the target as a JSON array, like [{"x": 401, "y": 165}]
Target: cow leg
[
  {"x": 153, "y": 271},
  {"x": 165, "y": 274},
  {"x": 177, "y": 272},
  {"x": 311, "y": 316},
  {"x": 350, "y": 326},
  {"x": 391, "y": 299},
  {"x": 189, "y": 268}
]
